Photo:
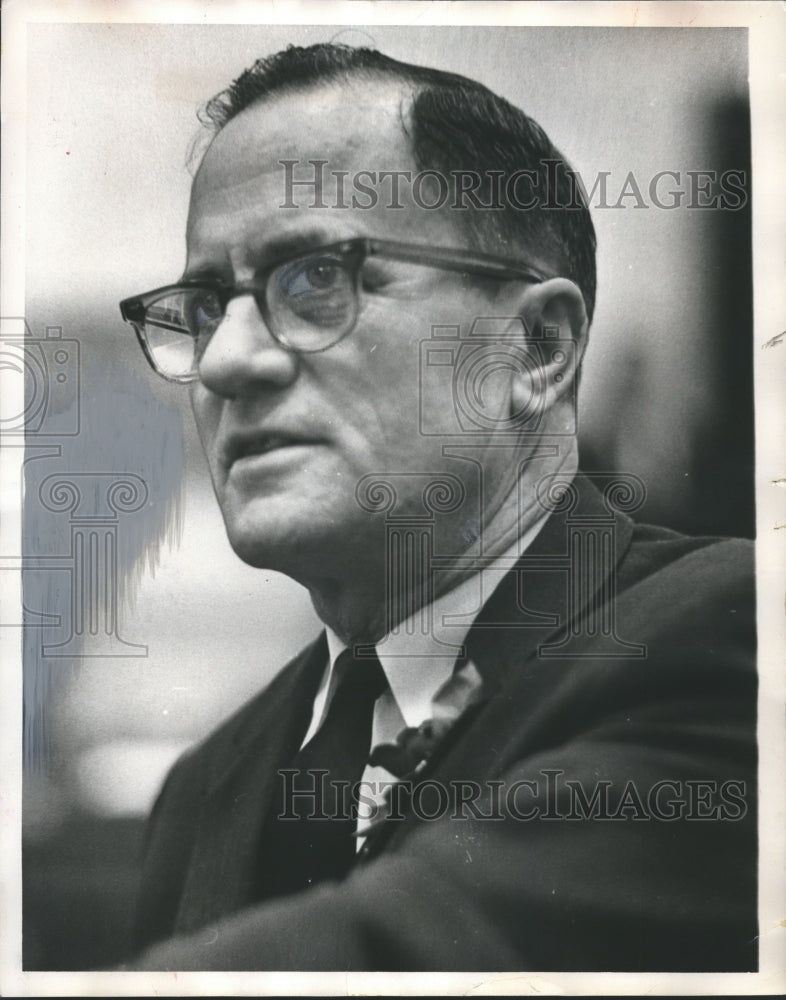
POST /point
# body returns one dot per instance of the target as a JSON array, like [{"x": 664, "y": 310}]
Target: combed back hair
[{"x": 454, "y": 124}]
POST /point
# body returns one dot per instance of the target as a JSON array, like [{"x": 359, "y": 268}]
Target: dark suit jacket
[{"x": 657, "y": 696}]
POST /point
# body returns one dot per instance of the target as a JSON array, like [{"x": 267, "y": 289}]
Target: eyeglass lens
[{"x": 309, "y": 304}]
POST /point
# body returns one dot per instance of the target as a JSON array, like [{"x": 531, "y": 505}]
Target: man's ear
[{"x": 556, "y": 322}]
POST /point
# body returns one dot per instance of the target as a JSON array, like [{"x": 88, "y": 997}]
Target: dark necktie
[{"x": 317, "y": 841}]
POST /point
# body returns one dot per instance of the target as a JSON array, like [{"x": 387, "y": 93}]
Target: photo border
[{"x": 766, "y": 22}]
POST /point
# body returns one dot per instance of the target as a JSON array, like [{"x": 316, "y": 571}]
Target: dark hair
[{"x": 455, "y": 124}]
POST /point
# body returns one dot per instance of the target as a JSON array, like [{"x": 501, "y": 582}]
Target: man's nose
[{"x": 242, "y": 354}]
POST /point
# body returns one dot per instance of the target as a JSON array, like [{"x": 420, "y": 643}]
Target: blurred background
[{"x": 117, "y": 683}]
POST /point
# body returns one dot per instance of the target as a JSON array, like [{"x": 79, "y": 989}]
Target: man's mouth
[{"x": 261, "y": 444}]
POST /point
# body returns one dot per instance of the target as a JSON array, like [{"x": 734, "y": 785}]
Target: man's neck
[{"x": 366, "y": 605}]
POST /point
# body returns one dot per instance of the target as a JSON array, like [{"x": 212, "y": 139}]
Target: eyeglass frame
[{"x": 455, "y": 259}]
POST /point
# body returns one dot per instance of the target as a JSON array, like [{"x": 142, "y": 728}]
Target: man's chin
[
  {"x": 266, "y": 530},
  {"x": 263, "y": 551},
  {"x": 283, "y": 546},
  {"x": 309, "y": 550}
]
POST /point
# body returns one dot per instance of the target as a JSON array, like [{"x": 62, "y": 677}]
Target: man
[{"x": 527, "y": 737}]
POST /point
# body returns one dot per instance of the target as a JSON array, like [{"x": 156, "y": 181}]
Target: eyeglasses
[{"x": 309, "y": 302}]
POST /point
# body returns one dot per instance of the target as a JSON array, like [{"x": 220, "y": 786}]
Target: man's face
[{"x": 287, "y": 437}]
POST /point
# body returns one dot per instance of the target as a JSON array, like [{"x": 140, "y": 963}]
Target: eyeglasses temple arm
[{"x": 458, "y": 260}]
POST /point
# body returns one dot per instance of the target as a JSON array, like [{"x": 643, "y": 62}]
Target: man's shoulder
[
  {"x": 610, "y": 599},
  {"x": 660, "y": 558},
  {"x": 690, "y": 604},
  {"x": 592, "y": 528}
]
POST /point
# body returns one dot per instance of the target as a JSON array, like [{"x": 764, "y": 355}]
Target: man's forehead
[{"x": 353, "y": 124}]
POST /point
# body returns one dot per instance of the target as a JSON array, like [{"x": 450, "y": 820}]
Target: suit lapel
[
  {"x": 524, "y": 623},
  {"x": 570, "y": 569},
  {"x": 240, "y": 787}
]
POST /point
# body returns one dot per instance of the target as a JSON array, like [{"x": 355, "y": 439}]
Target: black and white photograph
[{"x": 393, "y": 497}]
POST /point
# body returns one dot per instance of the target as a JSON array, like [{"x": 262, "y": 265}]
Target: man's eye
[
  {"x": 324, "y": 274},
  {"x": 203, "y": 311},
  {"x": 311, "y": 276}
]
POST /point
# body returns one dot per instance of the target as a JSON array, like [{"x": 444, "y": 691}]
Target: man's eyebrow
[
  {"x": 273, "y": 249},
  {"x": 199, "y": 274},
  {"x": 289, "y": 244}
]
